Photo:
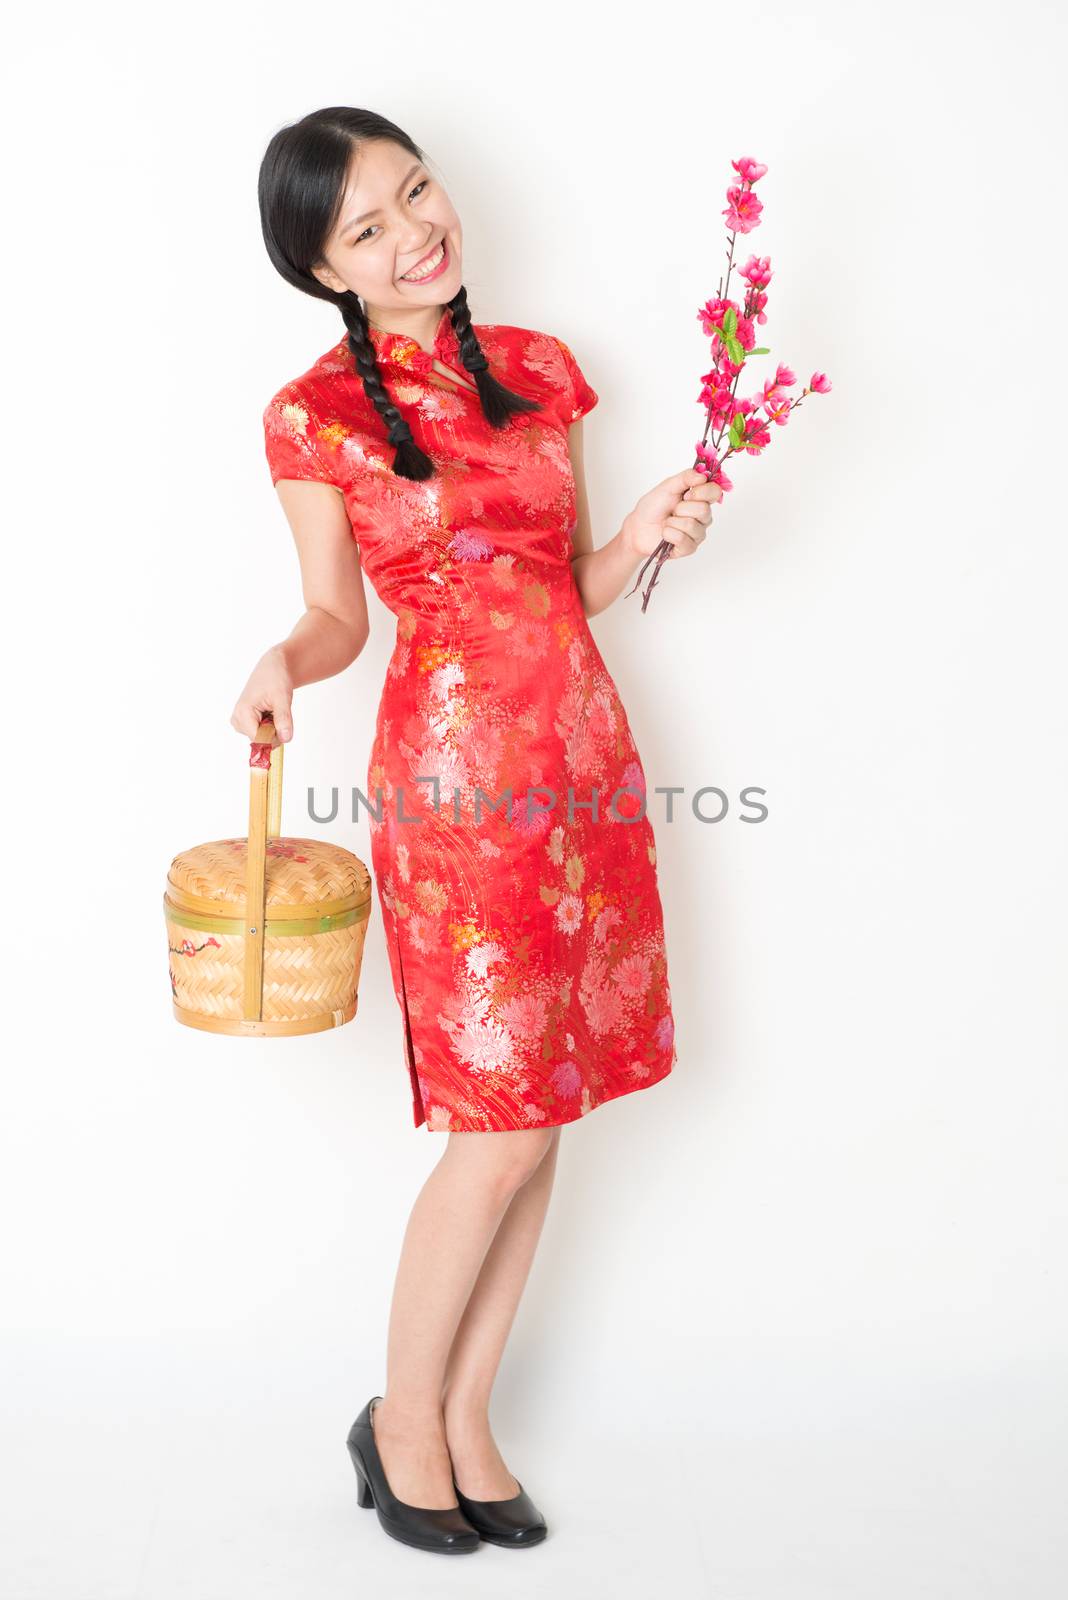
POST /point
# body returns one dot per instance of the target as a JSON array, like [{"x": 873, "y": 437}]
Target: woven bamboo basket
[{"x": 266, "y": 934}]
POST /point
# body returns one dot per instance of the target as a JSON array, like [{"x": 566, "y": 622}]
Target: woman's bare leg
[
  {"x": 451, "y": 1228},
  {"x": 483, "y": 1330}
]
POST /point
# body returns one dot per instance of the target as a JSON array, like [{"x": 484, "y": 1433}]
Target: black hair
[{"x": 301, "y": 189}]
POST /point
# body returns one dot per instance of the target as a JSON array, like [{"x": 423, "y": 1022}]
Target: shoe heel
[
  {"x": 443, "y": 1528},
  {"x": 364, "y": 1497}
]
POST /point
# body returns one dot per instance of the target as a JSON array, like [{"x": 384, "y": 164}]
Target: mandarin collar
[{"x": 400, "y": 350}]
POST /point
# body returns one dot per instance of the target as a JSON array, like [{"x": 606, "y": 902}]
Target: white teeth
[{"x": 427, "y": 267}]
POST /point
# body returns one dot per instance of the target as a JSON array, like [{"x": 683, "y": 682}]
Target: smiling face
[{"x": 393, "y": 215}]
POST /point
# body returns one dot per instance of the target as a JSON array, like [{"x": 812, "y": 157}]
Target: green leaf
[
  {"x": 761, "y": 350},
  {"x": 730, "y": 320}
]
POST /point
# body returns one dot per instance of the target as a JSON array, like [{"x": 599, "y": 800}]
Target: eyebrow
[{"x": 352, "y": 222}]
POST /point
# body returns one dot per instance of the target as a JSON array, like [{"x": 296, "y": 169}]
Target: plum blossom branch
[{"x": 732, "y": 328}]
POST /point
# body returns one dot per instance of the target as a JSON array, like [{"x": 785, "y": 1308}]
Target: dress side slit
[{"x": 408, "y": 1041}]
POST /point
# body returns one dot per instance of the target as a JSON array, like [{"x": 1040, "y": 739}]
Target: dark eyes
[{"x": 420, "y": 185}]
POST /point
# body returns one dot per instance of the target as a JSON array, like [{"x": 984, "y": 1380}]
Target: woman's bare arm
[
  {"x": 678, "y": 510},
  {"x": 600, "y": 575},
  {"x": 334, "y": 627}
]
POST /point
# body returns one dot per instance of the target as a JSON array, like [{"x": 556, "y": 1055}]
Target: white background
[{"x": 797, "y": 1325}]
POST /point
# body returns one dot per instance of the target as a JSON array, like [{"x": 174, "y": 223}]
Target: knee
[{"x": 517, "y": 1156}]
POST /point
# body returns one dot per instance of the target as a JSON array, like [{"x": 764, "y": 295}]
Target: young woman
[{"x": 514, "y": 860}]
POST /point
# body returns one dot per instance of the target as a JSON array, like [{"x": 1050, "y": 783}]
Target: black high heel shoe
[
  {"x": 426, "y": 1527},
  {"x": 515, "y": 1522}
]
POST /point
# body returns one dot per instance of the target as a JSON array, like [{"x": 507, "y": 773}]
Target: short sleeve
[
  {"x": 289, "y": 439},
  {"x": 581, "y": 398}
]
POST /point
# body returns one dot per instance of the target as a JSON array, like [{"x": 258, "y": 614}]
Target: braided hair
[{"x": 301, "y": 190}]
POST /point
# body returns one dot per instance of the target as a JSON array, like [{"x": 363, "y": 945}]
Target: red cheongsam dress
[{"x": 510, "y": 841}]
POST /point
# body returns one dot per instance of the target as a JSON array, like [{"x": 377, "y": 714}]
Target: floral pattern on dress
[{"x": 526, "y": 942}]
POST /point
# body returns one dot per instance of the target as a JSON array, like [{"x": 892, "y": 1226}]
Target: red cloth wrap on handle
[{"x": 260, "y": 755}]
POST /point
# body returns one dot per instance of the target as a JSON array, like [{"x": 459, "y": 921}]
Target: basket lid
[{"x": 303, "y": 876}]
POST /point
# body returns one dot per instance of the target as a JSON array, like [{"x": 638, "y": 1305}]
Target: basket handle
[{"x": 264, "y": 822}]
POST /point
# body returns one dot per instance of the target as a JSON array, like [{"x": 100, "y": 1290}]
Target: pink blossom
[
  {"x": 744, "y": 332},
  {"x": 718, "y": 400},
  {"x": 778, "y": 407},
  {"x": 775, "y": 402},
  {"x": 757, "y": 271},
  {"x": 748, "y": 169},
  {"x": 733, "y": 332},
  {"x": 756, "y": 434},
  {"x": 742, "y": 210},
  {"x": 710, "y": 315},
  {"x": 708, "y": 463}
]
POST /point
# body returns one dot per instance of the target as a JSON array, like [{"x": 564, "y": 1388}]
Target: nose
[{"x": 417, "y": 243}]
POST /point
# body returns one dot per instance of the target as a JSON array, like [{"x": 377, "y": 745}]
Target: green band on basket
[{"x": 272, "y": 927}]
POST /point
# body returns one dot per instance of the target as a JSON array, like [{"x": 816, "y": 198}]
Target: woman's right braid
[
  {"x": 498, "y": 403},
  {"x": 410, "y": 461}
]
